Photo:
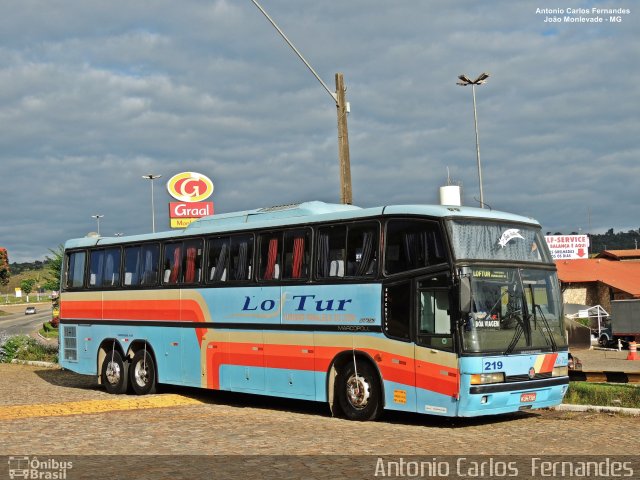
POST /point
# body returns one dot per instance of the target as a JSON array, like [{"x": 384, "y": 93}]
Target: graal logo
[{"x": 49, "y": 469}]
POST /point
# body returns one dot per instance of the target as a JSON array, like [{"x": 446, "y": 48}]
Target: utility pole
[
  {"x": 343, "y": 109},
  {"x": 346, "y": 196}
]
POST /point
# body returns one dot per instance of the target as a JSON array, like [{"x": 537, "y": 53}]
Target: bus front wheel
[
  {"x": 114, "y": 373},
  {"x": 142, "y": 373},
  {"x": 359, "y": 396}
]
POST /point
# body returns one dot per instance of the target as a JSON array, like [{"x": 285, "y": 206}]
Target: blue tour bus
[{"x": 445, "y": 310}]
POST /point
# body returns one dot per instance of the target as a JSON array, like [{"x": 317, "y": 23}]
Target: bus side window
[
  {"x": 397, "y": 311},
  {"x": 434, "y": 324},
  {"x": 296, "y": 248},
  {"x": 131, "y": 260},
  {"x": 331, "y": 252},
  {"x": 172, "y": 263},
  {"x": 192, "y": 261},
  {"x": 148, "y": 265},
  {"x": 241, "y": 257},
  {"x": 75, "y": 269},
  {"x": 95, "y": 268},
  {"x": 270, "y": 256},
  {"x": 412, "y": 244},
  {"x": 362, "y": 250},
  {"x": 218, "y": 259}
]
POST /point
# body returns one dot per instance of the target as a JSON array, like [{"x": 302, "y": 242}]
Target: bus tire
[
  {"x": 142, "y": 373},
  {"x": 359, "y": 398},
  {"x": 114, "y": 373}
]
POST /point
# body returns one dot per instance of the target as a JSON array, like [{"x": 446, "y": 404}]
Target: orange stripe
[{"x": 549, "y": 362}]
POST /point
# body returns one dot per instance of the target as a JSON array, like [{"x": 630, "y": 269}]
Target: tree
[
  {"x": 53, "y": 267},
  {"x": 5, "y": 272},
  {"x": 26, "y": 286}
]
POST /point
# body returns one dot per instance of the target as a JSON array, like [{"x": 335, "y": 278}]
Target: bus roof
[{"x": 301, "y": 214}]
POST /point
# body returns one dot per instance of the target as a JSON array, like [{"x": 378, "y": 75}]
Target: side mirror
[{"x": 465, "y": 296}]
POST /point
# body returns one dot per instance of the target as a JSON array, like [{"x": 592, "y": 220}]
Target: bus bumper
[{"x": 500, "y": 398}]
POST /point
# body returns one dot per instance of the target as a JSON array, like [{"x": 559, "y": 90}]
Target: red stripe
[{"x": 548, "y": 362}]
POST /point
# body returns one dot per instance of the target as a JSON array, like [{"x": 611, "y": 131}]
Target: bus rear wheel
[
  {"x": 142, "y": 373},
  {"x": 114, "y": 374},
  {"x": 359, "y": 396}
]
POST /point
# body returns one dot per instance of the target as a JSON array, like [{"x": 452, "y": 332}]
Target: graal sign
[{"x": 189, "y": 188}]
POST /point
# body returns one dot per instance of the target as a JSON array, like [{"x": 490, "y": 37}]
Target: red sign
[{"x": 190, "y": 210}]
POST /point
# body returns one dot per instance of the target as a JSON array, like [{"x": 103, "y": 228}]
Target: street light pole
[
  {"x": 97, "y": 217},
  {"x": 342, "y": 109},
  {"x": 464, "y": 81},
  {"x": 152, "y": 177}
]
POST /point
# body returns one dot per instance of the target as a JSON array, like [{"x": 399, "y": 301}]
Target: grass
[
  {"x": 603, "y": 394},
  {"x": 24, "y": 347},
  {"x": 47, "y": 331}
]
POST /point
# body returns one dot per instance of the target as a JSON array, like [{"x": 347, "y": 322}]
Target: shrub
[{"x": 23, "y": 347}]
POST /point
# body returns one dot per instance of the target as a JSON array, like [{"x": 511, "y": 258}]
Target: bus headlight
[
  {"x": 484, "y": 378},
  {"x": 560, "y": 371}
]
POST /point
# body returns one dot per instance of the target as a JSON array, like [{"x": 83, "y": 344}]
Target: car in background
[{"x": 30, "y": 311}]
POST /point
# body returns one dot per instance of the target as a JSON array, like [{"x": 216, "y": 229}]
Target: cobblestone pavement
[{"x": 51, "y": 411}]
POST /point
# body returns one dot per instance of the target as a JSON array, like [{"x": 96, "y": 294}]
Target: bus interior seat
[{"x": 336, "y": 268}]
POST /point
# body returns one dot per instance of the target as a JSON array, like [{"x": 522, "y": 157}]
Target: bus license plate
[{"x": 527, "y": 397}]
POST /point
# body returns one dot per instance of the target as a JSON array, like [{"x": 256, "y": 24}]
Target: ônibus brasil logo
[{"x": 190, "y": 187}]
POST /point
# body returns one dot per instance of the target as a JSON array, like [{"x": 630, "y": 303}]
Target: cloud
[{"x": 93, "y": 95}]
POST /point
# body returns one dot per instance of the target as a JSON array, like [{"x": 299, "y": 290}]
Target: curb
[
  {"x": 567, "y": 407},
  {"x": 34, "y": 363}
]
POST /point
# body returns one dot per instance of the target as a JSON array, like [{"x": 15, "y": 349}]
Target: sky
[{"x": 95, "y": 94}]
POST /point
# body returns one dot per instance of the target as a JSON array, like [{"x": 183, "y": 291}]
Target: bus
[{"x": 444, "y": 310}]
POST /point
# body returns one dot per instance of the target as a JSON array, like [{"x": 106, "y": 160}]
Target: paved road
[
  {"x": 48, "y": 412},
  {"x": 21, "y": 324}
]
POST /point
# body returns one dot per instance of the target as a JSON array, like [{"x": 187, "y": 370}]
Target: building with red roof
[
  {"x": 597, "y": 281},
  {"x": 621, "y": 255}
]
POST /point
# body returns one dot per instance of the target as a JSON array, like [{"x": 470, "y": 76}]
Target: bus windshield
[
  {"x": 514, "y": 309},
  {"x": 485, "y": 240}
]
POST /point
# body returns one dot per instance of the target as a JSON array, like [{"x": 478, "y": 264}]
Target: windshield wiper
[
  {"x": 524, "y": 325},
  {"x": 551, "y": 341},
  {"x": 554, "y": 346}
]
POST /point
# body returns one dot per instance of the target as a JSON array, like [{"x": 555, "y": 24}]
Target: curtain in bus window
[
  {"x": 435, "y": 250},
  {"x": 324, "y": 262},
  {"x": 75, "y": 271},
  {"x": 190, "y": 271},
  {"x": 112, "y": 268},
  {"x": 367, "y": 255},
  {"x": 221, "y": 264},
  {"x": 175, "y": 269},
  {"x": 269, "y": 272},
  {"x": 149, "y": 275},
  {"x": 298, "y": 256},
  {"x": 96, "y": 264},
  {"x": 131, "y": 265},
  {"x": 241, "y": 266},
  {"x": 415, "y": 245}
]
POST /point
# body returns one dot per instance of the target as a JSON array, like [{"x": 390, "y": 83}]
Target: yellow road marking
[{"x": 84, "y": 407}]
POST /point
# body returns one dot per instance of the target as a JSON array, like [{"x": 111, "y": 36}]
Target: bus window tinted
[
  {"x": 241, "y": 257},
  {"x": 182, "y": 262},
  {"x": 75, "y": 270},
  {"x": 331, "y": 251},
  {"x": 412, "y": 244},
  {"x": 104, "y": 268},
  {"x": 141, "y": 265}
]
